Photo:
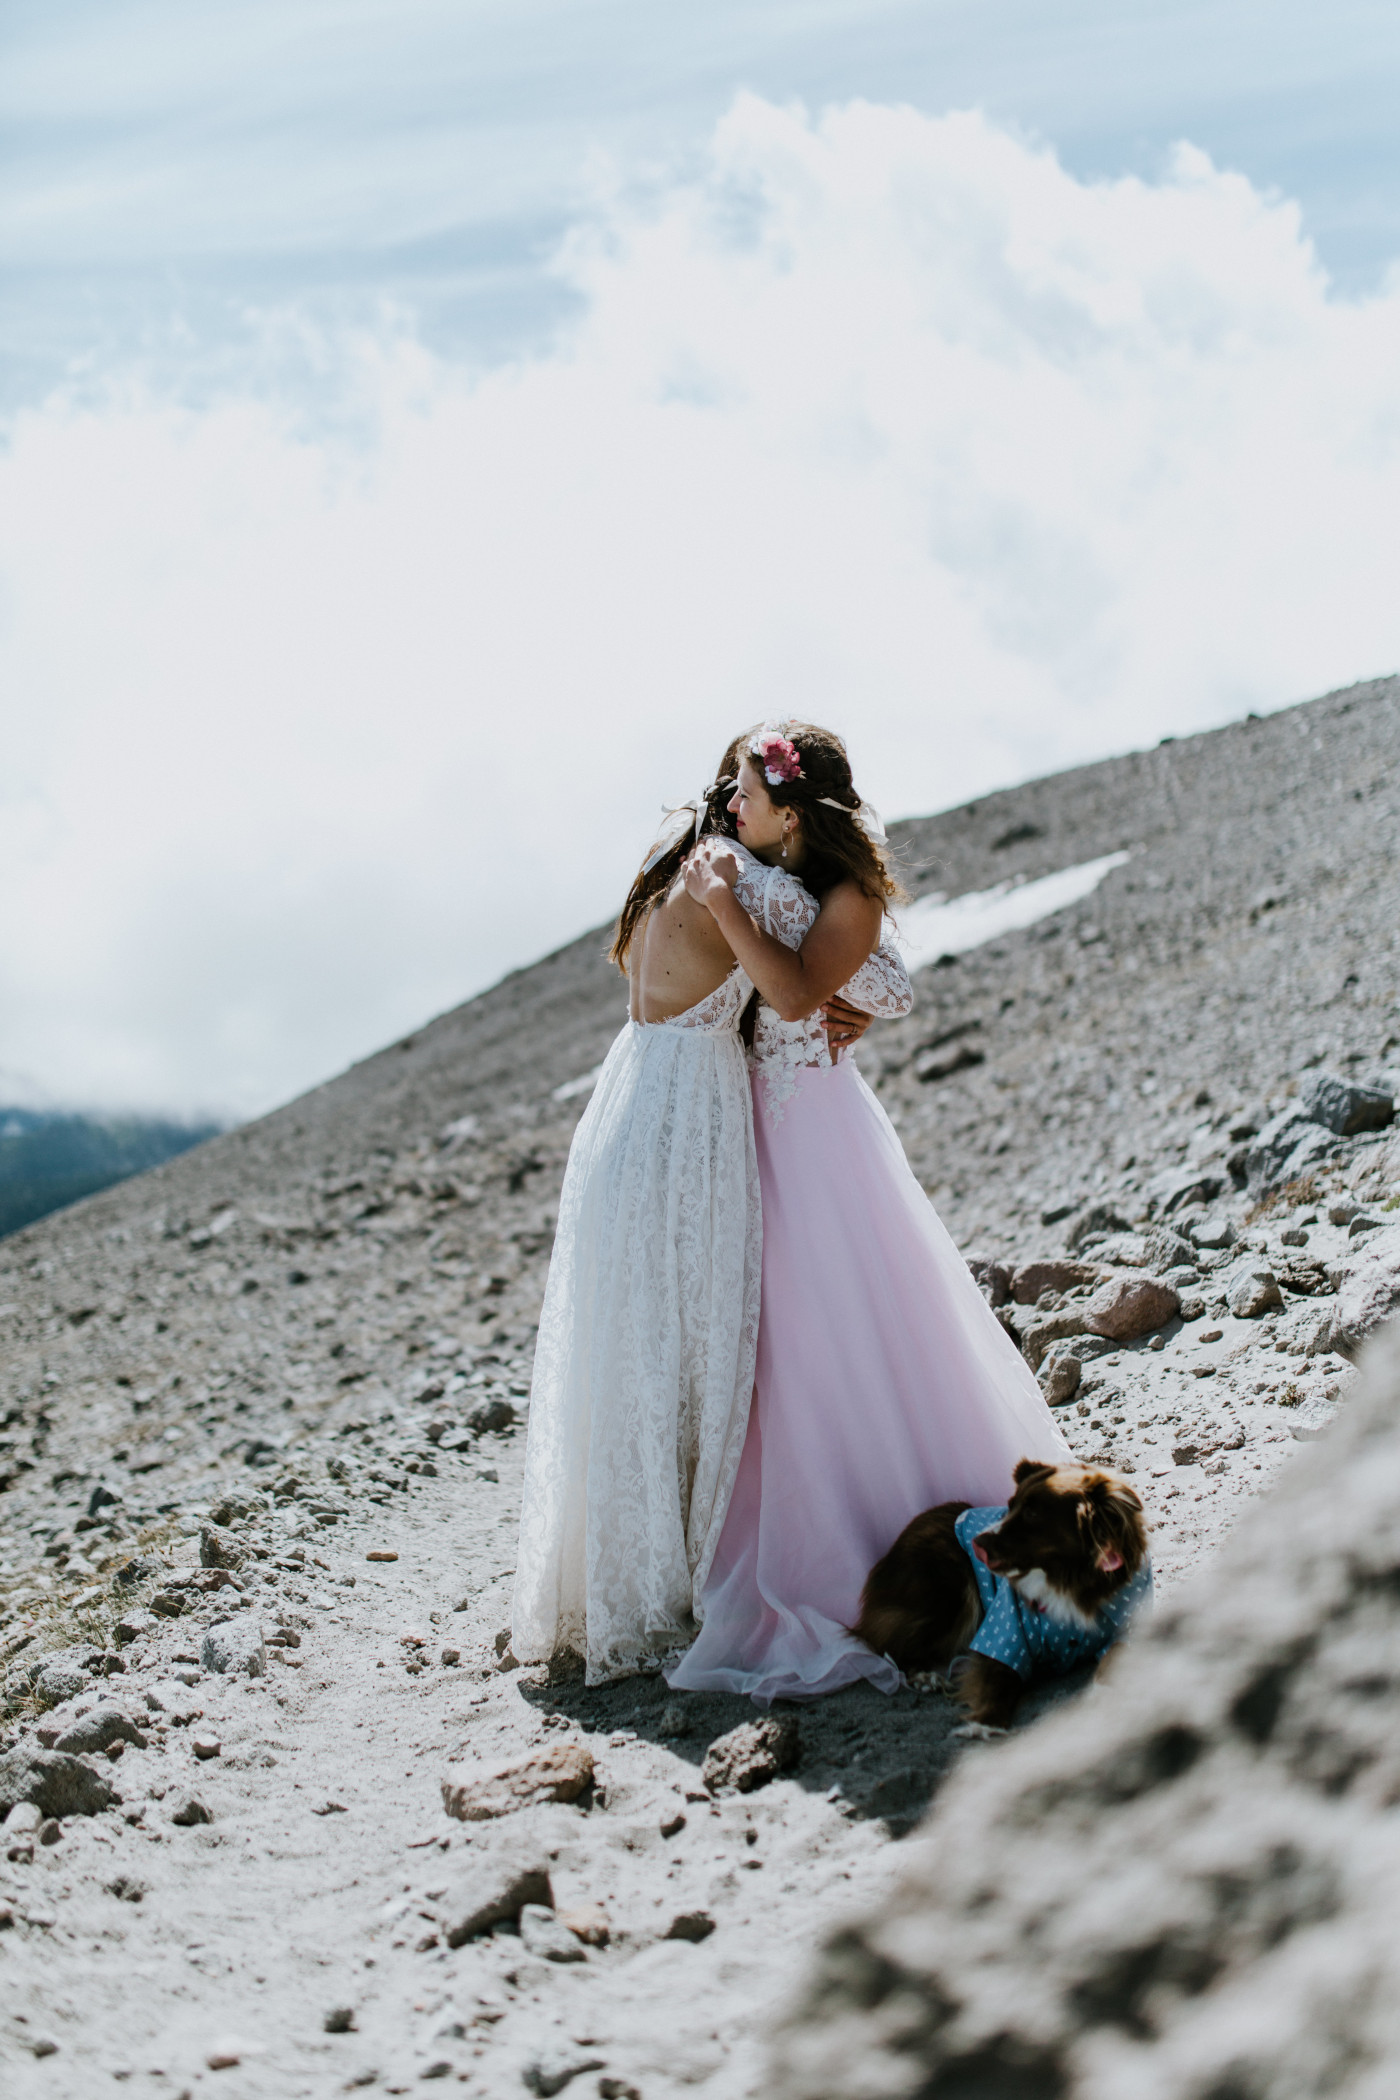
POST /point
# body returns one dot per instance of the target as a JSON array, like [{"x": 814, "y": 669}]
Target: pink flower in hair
[{"x": 780, "y": 759}]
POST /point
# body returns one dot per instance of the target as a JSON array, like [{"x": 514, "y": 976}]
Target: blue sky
[
  {"x": 428, "y": 433},
  {"x": 174, "y": 162}
]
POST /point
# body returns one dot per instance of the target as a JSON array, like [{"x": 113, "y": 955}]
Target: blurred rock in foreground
[{"x": 1188, "y": 1887}]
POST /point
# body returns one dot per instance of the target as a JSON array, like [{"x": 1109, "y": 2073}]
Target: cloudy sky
[{"x": 430, "y": 430}]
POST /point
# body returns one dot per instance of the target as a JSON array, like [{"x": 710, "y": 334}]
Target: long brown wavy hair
[{"x": 837, "y": 849}]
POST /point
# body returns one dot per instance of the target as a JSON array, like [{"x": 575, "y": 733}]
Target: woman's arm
[{"x": 796, "y": 983}]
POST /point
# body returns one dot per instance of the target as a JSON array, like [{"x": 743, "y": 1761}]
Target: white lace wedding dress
[{"x": 645, "y": 1359}]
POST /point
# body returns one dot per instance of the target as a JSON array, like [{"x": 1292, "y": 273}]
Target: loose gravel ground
[{"x": 320, "y": 1329}]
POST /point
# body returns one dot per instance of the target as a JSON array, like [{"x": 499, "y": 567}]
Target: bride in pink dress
[{"x": 884, "y": 1383}]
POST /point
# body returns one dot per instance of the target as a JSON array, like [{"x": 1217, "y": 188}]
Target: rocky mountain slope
[{"x": 225, "y": 1384}]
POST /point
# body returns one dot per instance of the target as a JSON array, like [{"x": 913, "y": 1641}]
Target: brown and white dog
[{"x": 1070, "y": 1545}]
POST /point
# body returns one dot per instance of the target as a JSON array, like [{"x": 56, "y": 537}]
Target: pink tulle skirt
[{"x": 884, "y": 1385}]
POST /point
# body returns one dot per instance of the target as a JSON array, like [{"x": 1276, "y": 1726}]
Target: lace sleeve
[
  {"x": 775, "y": 900},
  {"x": 881, "y": 985}
]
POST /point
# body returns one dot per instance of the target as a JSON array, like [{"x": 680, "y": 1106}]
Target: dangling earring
[{"x": 785, "y": 844}]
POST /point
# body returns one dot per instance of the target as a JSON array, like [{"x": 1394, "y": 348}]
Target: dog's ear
[
  {"x": 1113, "y": 1520},
  {"x": 1030, "y": 1469}
]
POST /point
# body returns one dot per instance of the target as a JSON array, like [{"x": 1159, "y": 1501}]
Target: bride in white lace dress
[{"x": 644, "y": 1367}]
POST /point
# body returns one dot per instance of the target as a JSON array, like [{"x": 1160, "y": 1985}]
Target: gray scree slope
[{"x": 225, "y": 1384}]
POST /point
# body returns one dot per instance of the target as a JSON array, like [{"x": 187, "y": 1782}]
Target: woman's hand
[
  {"x": 845, "y": 1024},
  {"x": 710, "y": 872}
]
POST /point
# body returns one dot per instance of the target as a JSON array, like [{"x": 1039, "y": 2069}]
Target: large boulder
[
  {"x": 1185, "y": 1886},
  {"x": 52, "y": 1781},
  {"x": 1368, "y": 1289},
  {"x": 1286, "y": 1149},
  {"x": 1344, "y": 1106},
  {"x": 1050, "y": 1273},
  {"x": 1130, "y": 1306}
]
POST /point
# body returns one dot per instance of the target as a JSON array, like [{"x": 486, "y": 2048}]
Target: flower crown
[{"x": 780, "y": 759}]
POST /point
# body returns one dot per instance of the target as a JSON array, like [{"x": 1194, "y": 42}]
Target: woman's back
[{"x": 679, "y": 960}]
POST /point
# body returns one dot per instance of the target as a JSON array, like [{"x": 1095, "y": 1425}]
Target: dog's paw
[{"x": 979, "y": 1731}]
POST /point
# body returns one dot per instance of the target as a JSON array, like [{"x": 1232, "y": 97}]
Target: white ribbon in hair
[
  {"x": 681, "y": 817},
  {"x": 866, "y": 817}
]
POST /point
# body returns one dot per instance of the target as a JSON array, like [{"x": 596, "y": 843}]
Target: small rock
[
  {"x": 230, "y": 1508},
  {"x": 752, "y": 1754},
  {"x": 226, "y": 2056},
  {"x": 234, "y": 1648},
  {"x": 189, "y": 1810},
  {"x": 1060, "y": 1374},
  {"x": 59, "y": 1677},
  {"x": 1252, "y": 1291},
  {"x": 1130, "y": 1306},
  {"x": 1182, "y": 1277},
  {"x": 1181, "y": 1188},
  {"x": 205, "y": 1747},
  {"x": 133, "y": 1626},
  {"x": 491, "y": 1415},
  {"x": 54, "y": 1781},
  {"x": 170, "y": 1604},
  {"x": 1037, "y": 1336},
  {"x": 618, "y": 2089},
  {"x": 550, "y": 2071},
  {"x": 1050, "y": 1274},
  {"x": 672, "y": 1826},
  {"x": 19, "y": 1840},
  {"x": 542, "y": 1934},
  {"x": 339, "y": 2020},
  {"x": 676, "y": 1718},
  {"x": 559, "y": 1772},
  {"x": 50, "y": 1831},
  {"x": 217, "y": 1552},
  {"x": 450, "y": 1657},
  {"x": 588, "y": 1922},
  {"x": 993, "y": 1279},
  {"x": 1294, "y": 1236},
  {"x": 382, "y": 1553},
  {"x": 1343, "y": 1106},
  {"x": 100, "y": 1729},
  {"x": 1213, "y": 1234},
  {"x": 173, "y": 1702},
  {"x": 493, "y": 1893},
  {"x": 1091, "y": 1223},
  {"x": 693, "y": 1925},
  {"x": 1343, "y": 1211}
]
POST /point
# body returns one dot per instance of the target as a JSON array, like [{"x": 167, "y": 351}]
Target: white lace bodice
[{"x": 782, "y": 906}]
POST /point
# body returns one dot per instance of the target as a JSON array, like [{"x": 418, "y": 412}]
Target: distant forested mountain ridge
[{"x": 48, "y": 1160}]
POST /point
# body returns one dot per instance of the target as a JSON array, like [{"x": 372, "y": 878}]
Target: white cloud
[{"x": 888, "y": 420}]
